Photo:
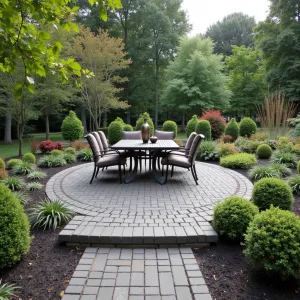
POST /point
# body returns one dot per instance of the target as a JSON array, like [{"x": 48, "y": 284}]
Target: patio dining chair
[
  {"x": 186, "y": 161},
  {"x": 103, "y": 160}
]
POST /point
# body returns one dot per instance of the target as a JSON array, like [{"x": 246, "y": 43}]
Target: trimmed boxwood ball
[
  {"x": 140, "y": 122},
  {"x": 70, "y": 150},
  {"x": 2, "y": 164},
  {"x": 264, "y": 151},
  {"x": 272, "y": 191},
  {"x": 127, "y": 127},
  {"x": 233, "y": 215},
  {"x": 170, "y": 126},
  {"x": 72, "y": 128},
  {"x": 115, "y": 132},
  {"x": 191, "y": 125},
  {"x": 56, "y": 152},
  {"x": 13, "y": 162},
  {"x": 14, "y": 229},
  {"x": 273, "y": 242},
  {"x": 29, "y": 157},
  {"x": 203, "y": 127},
  {"x": 232, "y": 129},
  {"x": 247, "y": 127}
]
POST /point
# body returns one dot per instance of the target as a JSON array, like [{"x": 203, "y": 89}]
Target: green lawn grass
[{"x": 13, "y": 149}]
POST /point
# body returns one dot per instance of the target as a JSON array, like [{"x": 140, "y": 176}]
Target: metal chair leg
[
  {"x": 172, "y": 171},
  {"x": 124, "y": 169},
  {"x": 95, "y": 168},
  {"x": 194, "y": 176},
  {"x": 195, "y": 172},
  {"x": 120, "y": 174},
  {"x": 97, "y": 172}
]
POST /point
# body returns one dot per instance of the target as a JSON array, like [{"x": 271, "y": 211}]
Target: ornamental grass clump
[
  {"x": 37, "y": 175},
  {"x": 13, "y": 183},
  {"x": 259, "y": 172},
  {"x": 7, "y": 291},
  {"x": 207, "y": 151},
  {"x": 233, "y": 215},
  {"x": 232, "y": 129},
  {"x": 51, "y": 161},
  {"x": 238, "y": 161},
  {"x": 272, "y": 241},
  {"x": 24, "y": 168},
  {"x": 272, "y": 191},
  {"x": 13, "y": 162},
  {"x": 294, "y": 183},
  {"x": 287, "y": 158},
  {"x": 85, "y": 155},
  {"x": 226, "y": 149},
  {"x": 264, "y": 151},
  {"x": 50, "y": 214},
  {"x": 69, "y": 158},
  {"x": 22, "y": 197},
  {"x": 34, "y": 186},
  {"x": 283, "y": 170},
  {"x": 203, "y": 127},
  {"x": 14, "y": 229},
  {"x": 29, "y": 158}
]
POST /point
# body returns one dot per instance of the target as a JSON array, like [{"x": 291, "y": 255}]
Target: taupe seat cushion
[
  {"x": 176, "y": 160},
  {"x": 110, "y": 160}
]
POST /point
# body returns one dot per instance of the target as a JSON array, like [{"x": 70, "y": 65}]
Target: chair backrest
[
  {"x": 195, "y": 145},
  {"x": 94, "y": 146},
  {"x": 103, "y": 140},
  {"x": 164, "y": 135},
  {"x": 189, "y": 142},
  {"x": 98, "y": 139},
  {"x": 132, "y": 135}
]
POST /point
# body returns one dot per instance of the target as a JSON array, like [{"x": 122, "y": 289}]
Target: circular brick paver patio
[{"x": 119, "y": 208}]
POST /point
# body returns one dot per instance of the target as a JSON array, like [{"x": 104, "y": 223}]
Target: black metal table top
[{"x": 139, "y": 145}]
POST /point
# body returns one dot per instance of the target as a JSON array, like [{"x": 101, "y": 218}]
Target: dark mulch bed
[
  {"x": 229, "y": 275},
  {"x": 45, "y": 271}
]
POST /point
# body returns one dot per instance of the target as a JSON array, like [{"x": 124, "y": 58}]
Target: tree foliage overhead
[
  {"x": 246, "y": 74},
  {"x": 279, "y": 39},
  {"x": 234, "y": 29},
  {"x": 195, "y": 79},
  {"x": 23, "y": 35}
]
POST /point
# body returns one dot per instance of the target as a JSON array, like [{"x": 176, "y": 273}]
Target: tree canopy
[{"x": 234, "y": 29}]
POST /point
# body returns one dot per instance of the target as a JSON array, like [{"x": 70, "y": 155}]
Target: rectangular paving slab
[{"x": 134, "y": 274}]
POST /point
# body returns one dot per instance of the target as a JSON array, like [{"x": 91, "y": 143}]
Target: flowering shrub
[
  {"x": 57, "y": 145},
  {"x": 47, "y": 146},
  {"x": 34, "y": 146},
  {"x": 217, "y": 122}
]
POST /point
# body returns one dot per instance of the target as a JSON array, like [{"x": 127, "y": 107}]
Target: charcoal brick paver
[{"x": 147, "y": 280}]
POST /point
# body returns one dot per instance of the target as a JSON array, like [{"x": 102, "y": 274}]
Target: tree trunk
[
  {"x": 20, "y": 137},
  {"x": 128, "y": 117},
  {"x": 83, "y": 119},
  {"x": 105, "y": 119},
  {"x": 47, "y": 127},
  {"x": 7, "y": 132},
  {"x": 183, "y": 122},
  {"x": 156, "y": 92}
]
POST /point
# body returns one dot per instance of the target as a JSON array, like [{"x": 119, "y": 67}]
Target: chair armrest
[
  {"x": 111, "y": 150},
  {"x": 171, "y": 152}
]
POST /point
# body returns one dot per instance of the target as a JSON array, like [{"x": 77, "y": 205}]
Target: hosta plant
[
  {"x": 7, "y": 291},
  {"x": 85, "y": 155},
  {"x": 294, "y": 183},
  {"x": 34, "y": 186},
  {"x": 50, "y": 161},
  {"x": 22, "y": 197},
  {"x": 50, "y": 214},
  {"x": 23, "y": 169},
  {"x": 207, "y": 151},
  {"x": 13, "y": 183},
  {"x": 258, "y": 172},
  {"x": 36, "y": 175}
]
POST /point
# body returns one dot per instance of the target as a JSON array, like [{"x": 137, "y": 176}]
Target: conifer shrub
[
  {"x": 191, "y": 125},
  {"x": 72, "y": 128},
  {"x": 264, "y": 151},
  {"x": 29, "y": 158},
  {"x": 127, "y": 127},
  {"x": 232, "y": 129},
  {"x": 170, "y": 126},
  {"x": 140, "y": 122},
  {"x": 203, "y": 127},
  {"x": 247, "y": 127},
  {"x": 70, "y": 150},
  {"x": 14, "y": 229},
  {"x": 13, "y": 162},
  {"x": 115, "y": 132}
]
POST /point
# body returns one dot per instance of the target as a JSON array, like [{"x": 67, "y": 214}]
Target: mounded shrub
[
  {"x": 247, "y": 146},
  {"x": 2, "y": 164},
  {"x": 238, "y": 161},
  {"x": 70, "y": 150},
  {"x": 127, "y": 127},
  {"x": 69, "y": 157},
  {"x": 29, "y": 157},
  {"x": 46, "y": 146},
  {"x": 85, "y": 154},
  {"x": 13, "y": 162},
  {"x": 226, "y": 149},
  {"x": 233, "y": 215},
  {"x": 272, "y": 241},
  {"x": 272, "y": 191},
  {"x": 264, "y": 151},
  {"x": 191, "y": 125},
  {"x": 203, "y": 127},
  {"x": 140, "y": 122},
  {"x": 247, "y": 127},
  {"x": 14, "y": 229},
  {"x": 232, "y": 128},
  {"x": 72, "y": 128},
  {"x": 170, "y": 126},
  {"x": 56, "y": 152},
  {"x": 217, "y": 122},
  {"x": 115, "y": 132},
  {"x": 227, "y": 139}
]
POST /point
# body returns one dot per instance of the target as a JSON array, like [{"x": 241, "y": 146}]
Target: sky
[{"x": 203, "y": 13}]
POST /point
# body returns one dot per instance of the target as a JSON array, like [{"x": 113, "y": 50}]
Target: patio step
[{"x": 84, "y": 230}]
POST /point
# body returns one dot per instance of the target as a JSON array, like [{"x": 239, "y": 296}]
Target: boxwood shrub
[
  {"x": 272, "y": 241},
  {"x": 191, "y": 125},
  {"x": 238, "y": 161},
  {"x": 170, "y": 126},
  {"x": 13, "y": 162},
  {"x": 72, "y": 128},
  {"x": 140, "y": 122},
  {"x": 115, "y": 132},
  {"x": 232, "y": 129},
  {"x": 233, "y": 215},
  {"x": 30, "y": 158},
  {"x": 203, "y": 127},
  {"x": 14, "y": 229},
  {"x": 264, "y": 151},
  {"x": 127, "y": 127},
  {"x": 247, "y": 127},
  {"x": 272, "y": 191}
]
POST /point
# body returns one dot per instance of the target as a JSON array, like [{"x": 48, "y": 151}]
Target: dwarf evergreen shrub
[
  {"x": 203, "y": 127},
  {"x": 72, "y": 128},
  {"x": 232, "y": 129},
  {"x": 247, "y": 127}
]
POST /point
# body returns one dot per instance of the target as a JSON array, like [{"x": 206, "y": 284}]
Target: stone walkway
[
  {"x": 144, "y": 212},
  {"x": 137, "y": 274}
]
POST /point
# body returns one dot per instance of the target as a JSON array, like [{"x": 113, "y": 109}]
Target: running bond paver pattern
[
  {"x": 137, "y": 274},
  {"x": 144, "y": 212}
]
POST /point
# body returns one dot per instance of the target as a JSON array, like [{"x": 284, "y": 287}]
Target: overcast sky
[{"x": 203, "y": 13}]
